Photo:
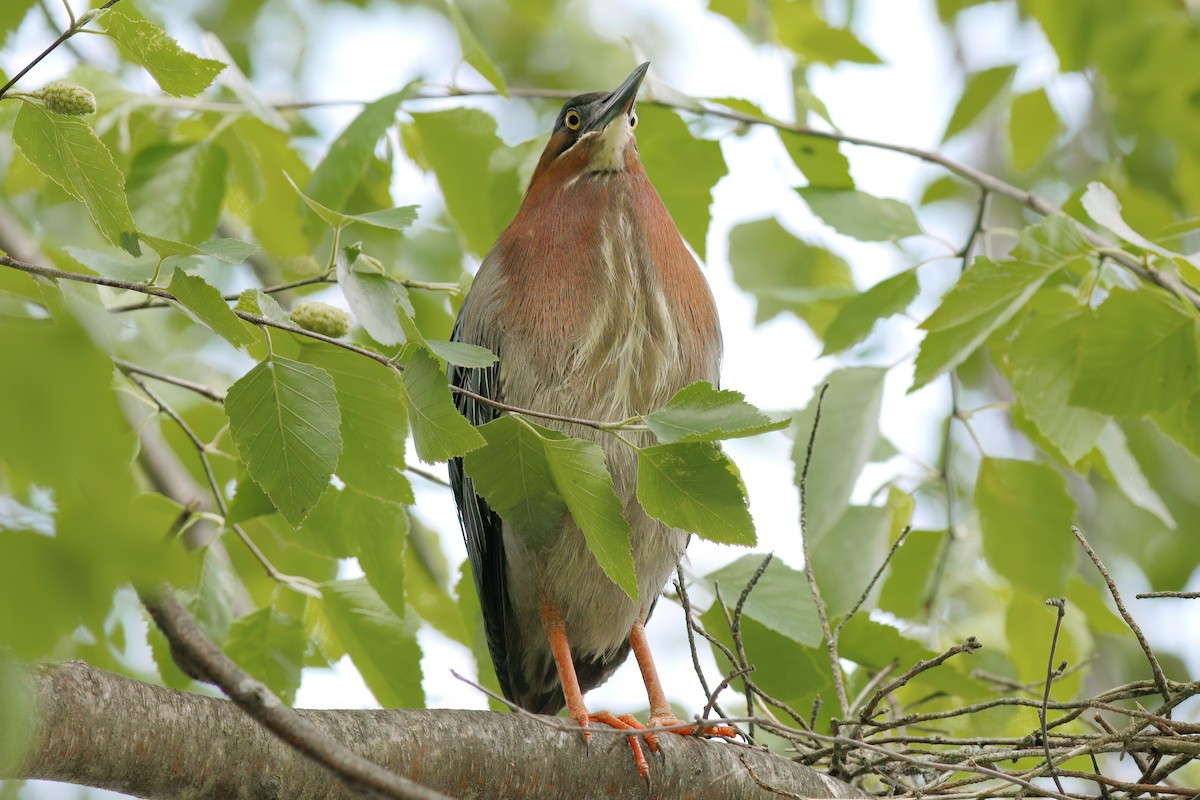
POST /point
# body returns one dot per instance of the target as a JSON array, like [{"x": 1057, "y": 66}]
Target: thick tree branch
[{"x": 161, "y": 743}]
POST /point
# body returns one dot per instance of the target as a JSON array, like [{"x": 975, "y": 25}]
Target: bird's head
[{"x": 593, "y": 133}]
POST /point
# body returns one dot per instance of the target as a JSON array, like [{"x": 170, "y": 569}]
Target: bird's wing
[{"x": 480, "y": 524}]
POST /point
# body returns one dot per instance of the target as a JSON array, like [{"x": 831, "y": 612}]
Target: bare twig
[
  {"x": 969, "y": 646},
  {"x": 1159, "y": 678},
  {"x": 1061, "y": 605},
  {"x": 835, "y": 665},
  {"x": 874, "y": 579},
  {"x": 204, "y": 391},
  {"x": 1176, "y": 595}
]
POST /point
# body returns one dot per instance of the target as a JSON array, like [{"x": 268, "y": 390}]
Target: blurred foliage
[{"x": 1096, "y": 367}]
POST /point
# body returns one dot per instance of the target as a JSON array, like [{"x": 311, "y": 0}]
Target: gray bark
[{"x": 100, "y": 729}]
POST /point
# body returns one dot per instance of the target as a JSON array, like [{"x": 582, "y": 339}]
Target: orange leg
[
  {"x": 660, "y": 710},
  {"x": 556, "y": 633}
]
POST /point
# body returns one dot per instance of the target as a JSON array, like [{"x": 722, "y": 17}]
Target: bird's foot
[
  {"x": 624, "y": 722},
  {"x": 683, "y": 728}
]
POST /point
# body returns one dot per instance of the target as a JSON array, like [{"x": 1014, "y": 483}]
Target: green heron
[{"x": 596, "y": 310}]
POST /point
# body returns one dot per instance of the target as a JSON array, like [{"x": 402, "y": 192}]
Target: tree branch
[{"x": 461, "y": 753}]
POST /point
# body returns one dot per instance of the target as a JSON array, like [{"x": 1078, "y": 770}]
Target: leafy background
[{"x": 988, "y": 400}]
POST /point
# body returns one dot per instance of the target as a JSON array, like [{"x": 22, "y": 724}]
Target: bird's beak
[{"x": 620, "y": 100}]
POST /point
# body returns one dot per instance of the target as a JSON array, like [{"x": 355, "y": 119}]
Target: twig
[
  {"x": 1160, "y": 679},
  {"x": 874, "y": 579},
  {"x": 686, "y": 602},
  {"x": 969, "y": 646},
  {"x": 1061, "y": 605},
  {"x": 259, "y": 702},
  {"x": 831, "y": 644},
  {"x": 1177, "y": 595},
  {"x": 205, "y": 391}
]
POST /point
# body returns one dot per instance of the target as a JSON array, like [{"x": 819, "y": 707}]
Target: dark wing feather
[{"x": 480, "y": 524}]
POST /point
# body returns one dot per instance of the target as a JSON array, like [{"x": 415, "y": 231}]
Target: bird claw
[
  {"x": 670, "y": 720},
  {"x": 627, "y": 722}
]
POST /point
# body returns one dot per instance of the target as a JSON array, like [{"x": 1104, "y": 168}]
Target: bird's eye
[
  {"x": 573, "y": 119},
  {"x": 632, "y": 120}
]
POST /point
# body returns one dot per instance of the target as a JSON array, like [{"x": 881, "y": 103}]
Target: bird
[{"x": 596, "y": 310}]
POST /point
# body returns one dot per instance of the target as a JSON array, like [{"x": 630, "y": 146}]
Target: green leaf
[
  {"x": 820, "y": 160},
  {"x": 66, "y": 150},
  {"x": 227, "y": 251},
  {"x": 249, "y": 501},
  {"x": 260, "y": 159},
  {"x": 583, "y": 480},
  {"x": 176, "y": 71},
  {"x": 374, "y": 421},
  {"x": 1025, "y": 514},
  {"x": 192, "y": 175},
  {"x": 1138, "y": 356},
  {"x": 374, "y": 299},
  {"x": 814, "y": 40},
  {"x": 462, "y": 354},
  {"x": 845, "y": 439},
  {"x": 780, "y": 600},
  {"x": 786, "y": 274},
  {"x": 946, "y": 187},
  {"x": 700, "y": 413},
  {"x": 1041, "y": 362},
  {"x": 205, "y": 303},
  {"x": 270, "y": 646},
  {"x": 847, "y": 554},
  {"x": 472, "y": 51},
  {"x": 909, "y": 575},
  {"x": 684, "y": 170},
  {"x": 857, "y": 318},
  {"x": 261, "y": 304},
  {"x": 1103, "y": 206},
  {"x": 11, "y": 15},
  {"x": 1120, "y": 467},
  {"x": 875, "y": 645},
  {"x": 382, "y": 533},
  {"x": 460, "y": 145},
  {"x": 693, "y": 486},
  {"x": 1032, "y": 127},
  {"x": 439, "y": 431},
  {"x": 990, "y": 293},
  {"x": 396, "y": 219},
  {"x": 346, "y": 160},
  {"x": 284, "y": 420},
  {"x": 860, "y": 215},
  {"x": 383, "y": 647},
  {"x": 513, "y": 474},
  {"x": 982, "y": 88}
]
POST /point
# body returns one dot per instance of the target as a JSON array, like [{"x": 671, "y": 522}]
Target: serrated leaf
[
  {"x": 284, "y": 420},
  {"x": 1103, "y": 206},
  {"x": 780, "y": 600},
  {"x": 460, "y": 146},
  {"x": 382, "y": 533},
  {"x": 1041, "y": 362},
  {"x": 396, "y": 219},
  {"x": 800, "y": 29},
  {"x": 845, "y": 439},
  {"x": 860, "y": 215},
  {"x": 786, "y": 274},
  {"x": 693, "y": 486},
  {"x": 1138, "y": 356},
  {"x": 67, "y": 151},
  {"x": 820, "y": 160},
  {"x": 373, "y": 298},
  {"x": 513, "y": 474},
  {"x": 1025, "y": 514},
  {"x": 176, "y": 71},
  {"x": 583, "y": 481},
  {"x": 683, "y": 168},
  {"x": 191, "y": 174},
  {"x": 374, "y": 422},
  {"x": 439, "y": 431},
  {"x": 227, "y": 251},
  {"x": 700, "y": 413},
  {"x": 990, "y": 293},
  {"x": 347, "y": 157},
  {"x": 205, "y": 303},
  {"x": 270, "y": 646},
  {"x": 981, "y": 89},
  {"x": 261, "y": 304},
  {"x": 249, "y": 501},
  {"x": 461, "y": 354},
  {"x": 847, "y": 554},
  {"x": 1032, "y": 126},
  {"x": 472, "y": 51},
  {"x": 855, "y": 321},
  {"x": 383, "y": 647},
  {"x": 1123, "y": 470}
]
